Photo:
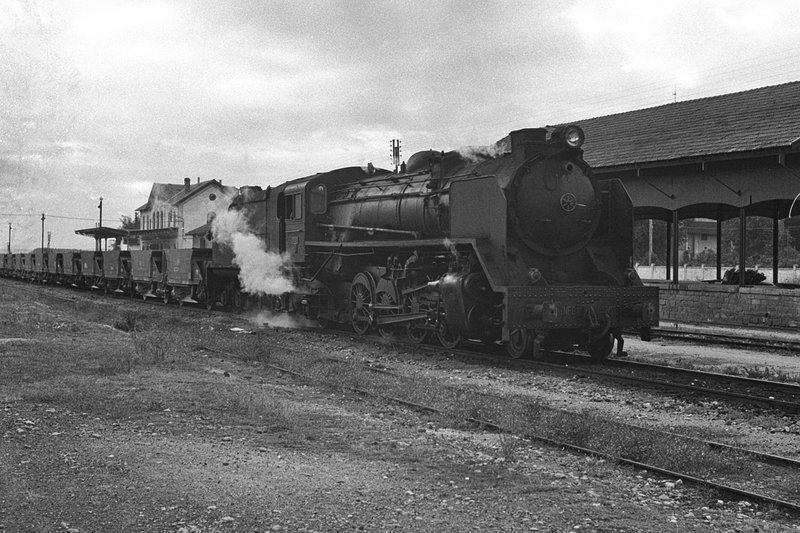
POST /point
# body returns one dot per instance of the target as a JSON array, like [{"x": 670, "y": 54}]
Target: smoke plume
[
  {"x": 476, "y": 154},
  {"x": 260, "y": 271}
]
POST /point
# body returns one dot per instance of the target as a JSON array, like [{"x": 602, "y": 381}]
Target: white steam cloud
[
  {"x": 260, "y": 271},
  {"x": 476, "y": 154}
]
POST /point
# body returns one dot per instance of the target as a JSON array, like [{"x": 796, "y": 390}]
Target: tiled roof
[
  {"x": 757, "y": 119},
  {"x": 196, "y": 187},
  {"x": 161, "y": 192},
  {"x": 174, "y": 193}
]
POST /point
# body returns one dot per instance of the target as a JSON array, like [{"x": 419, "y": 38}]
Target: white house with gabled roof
[{"x": 178, "y": 216}]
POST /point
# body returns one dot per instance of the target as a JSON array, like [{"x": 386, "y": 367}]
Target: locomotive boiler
[{"x": 519, "y": 245}]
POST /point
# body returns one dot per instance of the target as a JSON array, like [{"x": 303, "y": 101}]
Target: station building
[
  {"x": 710, "y": 160},
  {"x": 180, "y": 216}
]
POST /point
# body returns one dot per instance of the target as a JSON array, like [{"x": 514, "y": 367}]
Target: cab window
[
  {"x": 317, "y": 200},
  {"x": 293, "y": 207}
]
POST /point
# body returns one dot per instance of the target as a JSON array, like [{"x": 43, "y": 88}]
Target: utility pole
[
  {"x": 9, "y": 237},
  {"x": 100, "y": 226},
  {"x": 42, "y": 232}
]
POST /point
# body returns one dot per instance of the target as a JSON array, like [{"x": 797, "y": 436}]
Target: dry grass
[
  {"x": 131, "y": 348},
  {"x": 765, "y": 372}
]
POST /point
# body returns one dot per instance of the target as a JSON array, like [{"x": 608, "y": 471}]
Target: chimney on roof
[
  {"x": 198, "y": 179},
  {"x": 187, "y": 183}
]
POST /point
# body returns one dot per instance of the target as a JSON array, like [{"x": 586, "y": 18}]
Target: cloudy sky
[{"x": 103, "y": 98}]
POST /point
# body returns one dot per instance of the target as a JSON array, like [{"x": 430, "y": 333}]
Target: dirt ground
[{"x": 94, "y": 439}]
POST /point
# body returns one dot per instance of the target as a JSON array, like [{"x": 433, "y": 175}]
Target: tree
[{"x": 128, "y": 222}]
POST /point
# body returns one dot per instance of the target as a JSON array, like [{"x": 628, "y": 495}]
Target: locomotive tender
[{"x": 521, "y": 247}]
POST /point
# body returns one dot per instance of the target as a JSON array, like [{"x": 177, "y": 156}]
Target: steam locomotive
[{"x": 518, "y": 245}]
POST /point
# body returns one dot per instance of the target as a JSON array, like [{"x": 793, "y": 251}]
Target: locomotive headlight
[{"x": 574, "y": 136}]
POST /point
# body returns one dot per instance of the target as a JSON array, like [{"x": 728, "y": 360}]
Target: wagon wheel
[
  {"x": 414, "y": 332},
  {"x": 384, "y": 298},
  {"x": 446, "y": 336},
  {"x": 600, "y": 348},
  {"x": 361, "y": 299},
  {"x": 237, "y": 301}
]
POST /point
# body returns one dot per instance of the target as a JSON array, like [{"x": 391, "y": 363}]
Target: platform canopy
[
  {"x": 101, "y": 233},
  {"x": 704, "y": 158},
  {"x": 722, "y": 157}
]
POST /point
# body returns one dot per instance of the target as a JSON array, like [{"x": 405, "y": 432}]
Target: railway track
[
  {"x": 785, "y": 468},
  {"x": 779, "y": 494},
  {"x": 783, "y": 397},
  {"x": 723, "y": 339},
  {"x": 779, "y": 396}
]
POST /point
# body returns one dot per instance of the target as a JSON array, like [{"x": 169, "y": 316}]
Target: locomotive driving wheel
[
  {"x": 415, "y": 330},
  {"x": 361, "y": 299},
  {"x": 384, "y": 298}
]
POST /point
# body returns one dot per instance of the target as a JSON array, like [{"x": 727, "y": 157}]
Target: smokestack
[
  {"x": 523, "y": 143},
  {"x": 187, "y": 184}
]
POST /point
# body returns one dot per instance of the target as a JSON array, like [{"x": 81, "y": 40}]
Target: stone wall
[{"x": 729, "y": 304}]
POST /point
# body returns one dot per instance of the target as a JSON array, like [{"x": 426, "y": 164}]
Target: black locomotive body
[{"x": 523, "y": 248}]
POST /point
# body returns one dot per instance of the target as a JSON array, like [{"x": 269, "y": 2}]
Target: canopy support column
[
  {"x": 742, "y": 246},
  {"x": 719, "y": 249},
  {"x": 668, "y": 269},
  {"x": 775, "y": 246},
  {"x": 675, "y": 242}
]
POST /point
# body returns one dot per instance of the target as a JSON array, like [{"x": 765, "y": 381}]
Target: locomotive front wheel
[
  {"x": 601, "y": 347},
  {"x": 519, "y": 343},
  {"x": 447, "y": 337},
  {"x": 362, "y": 297}
]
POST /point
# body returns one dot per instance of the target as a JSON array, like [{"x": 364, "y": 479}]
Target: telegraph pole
[
  {"x": 99, "y": 227},
  {"x": 42, "y": 232},
  {"x": 9, "y": 237}
]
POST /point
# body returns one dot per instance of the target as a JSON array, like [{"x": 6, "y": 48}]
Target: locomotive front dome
[{"x": 553, "y": 202}]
